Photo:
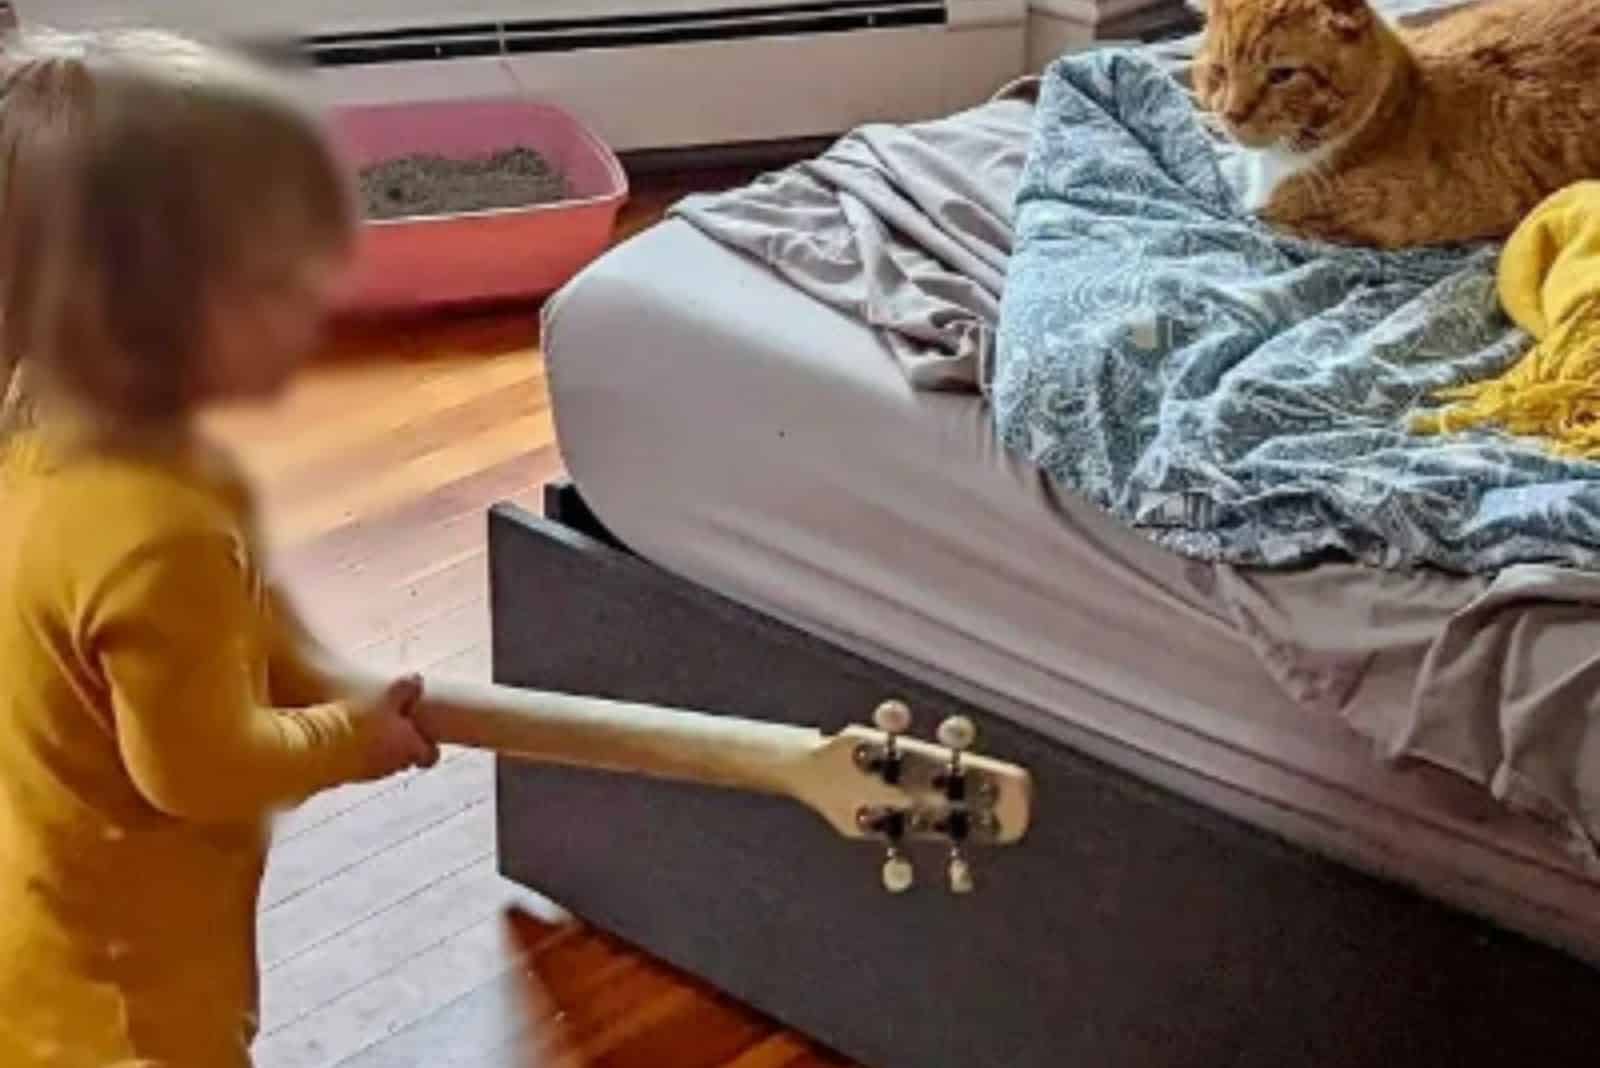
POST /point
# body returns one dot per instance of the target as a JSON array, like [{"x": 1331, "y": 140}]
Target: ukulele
[{"x": 868, "y": 783}]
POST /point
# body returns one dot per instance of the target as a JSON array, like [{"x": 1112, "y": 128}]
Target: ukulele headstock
[{"x": 875, "y": 783}]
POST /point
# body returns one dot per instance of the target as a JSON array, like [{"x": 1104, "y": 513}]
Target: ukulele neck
[{"x": 617, "y": 736}]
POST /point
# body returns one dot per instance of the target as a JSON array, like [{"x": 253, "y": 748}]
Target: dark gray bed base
[{"x": 1131, "y": 928}]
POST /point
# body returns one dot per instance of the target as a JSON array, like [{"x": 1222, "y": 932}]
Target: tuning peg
[
  {"x": 893, "y": 718},
  {"x": 960, "y": 873},
  {"x": 958, "y": 733},
  {"x": 898, "y": 874}
]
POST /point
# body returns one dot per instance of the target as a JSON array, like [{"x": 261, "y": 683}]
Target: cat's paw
[{"x": 1309, "y": 225}]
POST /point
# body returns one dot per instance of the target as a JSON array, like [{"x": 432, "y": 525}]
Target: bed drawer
[{"x": 1130, "y": 928}]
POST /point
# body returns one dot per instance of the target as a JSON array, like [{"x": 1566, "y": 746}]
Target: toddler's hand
[{"x": 395, "y": 743}]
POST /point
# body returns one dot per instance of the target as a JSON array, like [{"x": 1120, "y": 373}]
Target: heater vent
[{"x": 530, "y": 36}]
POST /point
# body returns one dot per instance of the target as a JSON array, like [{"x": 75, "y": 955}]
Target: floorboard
[
  {"x": 315, "y": 979},
  {"x": 344, "y": 843},
  {"x": 329, "y": 909},
  {"x": 383, "y": 932},
  {"x": 413, "y": 990}
]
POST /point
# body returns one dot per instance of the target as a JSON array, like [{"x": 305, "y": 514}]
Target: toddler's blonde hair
[{"x": 141, "y": 173}]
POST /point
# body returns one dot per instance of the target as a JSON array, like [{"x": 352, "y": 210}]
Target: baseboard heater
[
  {"x": 537, "y": 36},
  {"x": 646, "y": 74}
]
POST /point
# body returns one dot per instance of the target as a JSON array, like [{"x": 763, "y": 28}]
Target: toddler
[{"x": 172, "y": 223}]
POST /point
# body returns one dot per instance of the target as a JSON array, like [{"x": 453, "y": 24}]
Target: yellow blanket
[{"x": 1550, "y": 285}]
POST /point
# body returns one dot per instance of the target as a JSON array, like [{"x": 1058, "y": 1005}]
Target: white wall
[
  {"x": 1056, "y": 27},
  {"x": 295, "y": 15},
  {"x": 671, "y": 95}
]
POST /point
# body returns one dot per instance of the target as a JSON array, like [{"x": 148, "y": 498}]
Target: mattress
[{"x": 738, "y": 433}]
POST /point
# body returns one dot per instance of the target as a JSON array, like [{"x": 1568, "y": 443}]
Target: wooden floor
[{"x": 383, "y": 933}]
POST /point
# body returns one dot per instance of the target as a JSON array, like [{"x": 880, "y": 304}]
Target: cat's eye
[{"x": 1281, "y": 75}]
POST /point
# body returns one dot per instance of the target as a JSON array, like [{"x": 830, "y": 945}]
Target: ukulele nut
[
  {"x": 886, "y": 763},
  {"x": 952, "y": 784},
  {"x": 956, "y": 825},
  {"x": 891, "y": 823}
]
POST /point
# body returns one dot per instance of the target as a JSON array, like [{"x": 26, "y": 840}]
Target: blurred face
[{"x": 263, "y": 325}]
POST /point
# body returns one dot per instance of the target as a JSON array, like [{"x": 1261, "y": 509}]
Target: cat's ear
[
  {"x": 1199, "y": 7},
  {"x": 1348, "y": 18}
]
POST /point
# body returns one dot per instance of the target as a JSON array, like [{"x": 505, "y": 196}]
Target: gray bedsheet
[
  {"x": 906, "y": 227},
  {"x": 1494, "y": 678}
]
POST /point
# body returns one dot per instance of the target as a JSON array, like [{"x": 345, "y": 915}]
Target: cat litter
[
  {"x": 474, "y": 200},
  {"x": 422, "y": 184}
]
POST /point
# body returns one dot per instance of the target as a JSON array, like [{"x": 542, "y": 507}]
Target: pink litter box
[{"x": 423, "y": 262}]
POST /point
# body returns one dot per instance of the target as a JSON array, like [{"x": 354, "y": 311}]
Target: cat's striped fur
[{"x": 1395, "y": 137}]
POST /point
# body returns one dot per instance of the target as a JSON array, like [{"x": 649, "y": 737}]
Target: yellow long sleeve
[
  {"x": 295, "y": 677},
  {"x": 158, "y": 701},
  {"x": 173, "y": 629}
]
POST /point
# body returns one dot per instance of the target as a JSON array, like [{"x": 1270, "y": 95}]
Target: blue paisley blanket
[{"x": 1243, "y": 396}]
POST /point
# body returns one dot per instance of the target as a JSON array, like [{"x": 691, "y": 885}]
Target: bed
[{"x": 768, "y": 519}]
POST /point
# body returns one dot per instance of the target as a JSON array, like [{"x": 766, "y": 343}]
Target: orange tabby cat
[{"x": 1361, "y": 132}]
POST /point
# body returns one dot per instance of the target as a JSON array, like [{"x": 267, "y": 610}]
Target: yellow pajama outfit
[{"x": 141, "y": 754}]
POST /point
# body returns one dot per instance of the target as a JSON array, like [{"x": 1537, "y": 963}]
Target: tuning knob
[
  {"x": 892, "y": 718},
  {"x": 958, "y": 733},
  {"x": 960, "y": 873},
  {"x": 898, "y": 874}
]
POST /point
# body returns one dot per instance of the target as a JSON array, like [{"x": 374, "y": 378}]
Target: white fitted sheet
[{"x": 736, "y": 432}]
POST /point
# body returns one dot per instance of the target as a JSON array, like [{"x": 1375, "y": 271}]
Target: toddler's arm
[
  {"x": 173, "y": 630},
  {"x": 299, "y": 671},
  {"x": 302, "y": 671}
]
